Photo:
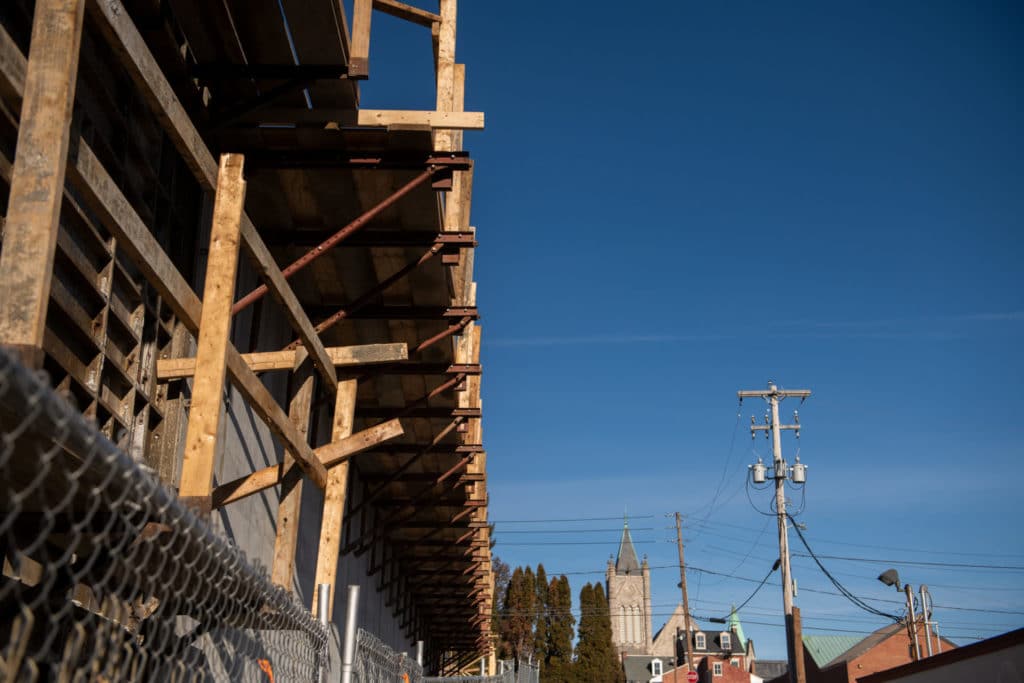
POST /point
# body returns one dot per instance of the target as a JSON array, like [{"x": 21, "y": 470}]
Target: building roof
[
  {"x": 627, "y": 562},
  {"x": 770, "y": 668},
  {"x": 638, "y": 667},
  {"x": 827, "y": 650},
  {"x": 736, "y": 627}
]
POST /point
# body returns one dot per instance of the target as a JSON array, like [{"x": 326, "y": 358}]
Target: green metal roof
[{"x": 824, "y": 649}]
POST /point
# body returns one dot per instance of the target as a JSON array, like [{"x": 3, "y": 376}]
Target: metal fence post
[{"x": 349, "y": 653}]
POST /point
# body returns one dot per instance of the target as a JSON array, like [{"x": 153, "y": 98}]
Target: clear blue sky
[{"x": 679, "y": 200}]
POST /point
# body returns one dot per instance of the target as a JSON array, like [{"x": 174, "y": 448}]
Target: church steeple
[{"x": 627, "y": 562}]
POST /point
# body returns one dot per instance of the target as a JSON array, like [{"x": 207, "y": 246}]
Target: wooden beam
[
  {"x": 264, "y": 405},
  {"x": 334, "y": 497},
  {"x": 330, "y": 455},
  {"x": 469, "y": 120},
  {"x": 214, "y": 331},
  {"x": 403, "y": 11},
  {"x": 359, "y": 57},
  {"x": 445, "y": 69},
  {"x": 37, "y": 183},
  {"x": 286, "y": 536},
  {"x": 340, "y": 356}
]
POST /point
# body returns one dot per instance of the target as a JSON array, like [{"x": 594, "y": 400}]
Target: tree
[
  {"x": 558, "y": 647},
  {"x": 595, "y": 657},
  {"x": 541, "y": 620},
  {"x": 502, "y": 576},
  {"x": 518, "y": 613},
  {"x": 607, "y": 658}
]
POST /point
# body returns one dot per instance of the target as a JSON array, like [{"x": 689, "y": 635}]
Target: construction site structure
[{"x": 315, "y": 404}]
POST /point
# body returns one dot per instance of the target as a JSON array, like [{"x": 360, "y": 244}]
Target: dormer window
[
  {"x": 700, "y": 641},
  {"x": 726, "y": 640},
  {"x": 656, "y": 667}
]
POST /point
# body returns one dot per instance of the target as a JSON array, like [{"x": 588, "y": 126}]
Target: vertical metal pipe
[
  {"x": 323, "y": 606},
  {"x": 419, "y": 652},
  {"x": 938, "y": 638},
  {"x": 912, "y": 620},
  {"x": 926, "y": 617},
  {"x": 349, "y": 653}
]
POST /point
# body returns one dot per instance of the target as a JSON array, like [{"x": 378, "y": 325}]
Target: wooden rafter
[{"x": 339, "y": 356}]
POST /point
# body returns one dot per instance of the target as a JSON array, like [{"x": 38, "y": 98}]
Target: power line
[{"x": 921, "y": 563}]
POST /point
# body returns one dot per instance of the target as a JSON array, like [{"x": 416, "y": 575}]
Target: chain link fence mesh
[
  {"x": 106, "y": 577},
  {"x": 376, "y": 662}
]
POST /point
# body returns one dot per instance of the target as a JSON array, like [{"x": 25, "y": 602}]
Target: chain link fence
[
  {"x": 527, "y": 673},
  {"x": 375, "y": 662},
  {"x": 106, "y": 577}
]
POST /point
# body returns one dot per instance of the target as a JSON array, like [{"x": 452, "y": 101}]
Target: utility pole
[
  {"x": 774, "y": 396},
  {"x": 686, "y": 601}
]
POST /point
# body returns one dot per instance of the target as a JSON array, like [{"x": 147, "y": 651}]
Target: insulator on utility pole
[{"x": 773, "y": 395}]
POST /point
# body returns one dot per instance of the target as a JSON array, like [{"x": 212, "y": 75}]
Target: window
[
  {"x": 700, "y": 641},
  {"x": 735, "y": 662},
  {"x": 726, "y": 640},
  {"x": 656, "y": 667},
  {"x": 717, "y": 670}
]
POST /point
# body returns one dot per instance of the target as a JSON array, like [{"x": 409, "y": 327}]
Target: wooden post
[
  {"x": 214, "y": 330},
  {"x": 359, "y": 57},
  {"x": 37, "y": 183},
  {"x": 283, "y": 568},
  {"x": 798, "y": 646},
  {"x": 334, "y": 495}
]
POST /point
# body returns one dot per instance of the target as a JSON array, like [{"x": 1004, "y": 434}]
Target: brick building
[{"x": 844, "y": 659}]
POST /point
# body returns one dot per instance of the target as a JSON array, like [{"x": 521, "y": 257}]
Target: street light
[{"x": 890, "y": 577}]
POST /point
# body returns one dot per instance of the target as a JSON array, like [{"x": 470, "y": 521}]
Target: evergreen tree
[
  {"x": 542, "y": 621},
  {"x": 596, "y": 661},
  {"x": 502, "y": 576},
  {"x": 558, "y": 648},
  {"x": 518, "y": 614},
  {"x": 608, "y": 660}
]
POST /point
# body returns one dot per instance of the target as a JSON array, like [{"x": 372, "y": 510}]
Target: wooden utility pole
[
  {"x": 686, "y": 601},
  {"x": 774, "y": 396}
]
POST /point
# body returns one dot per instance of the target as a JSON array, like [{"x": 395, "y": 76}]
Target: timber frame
[{"x": 121, "y": 276}]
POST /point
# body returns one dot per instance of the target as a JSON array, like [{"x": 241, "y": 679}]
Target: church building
[
  {"x": 629, "y": 600},
  {"x": 720, "y": 655}
]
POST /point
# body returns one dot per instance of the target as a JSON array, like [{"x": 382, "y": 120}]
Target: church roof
[
  {"x": 736, "y": 627},
  {"x": 627, "y": 562}
]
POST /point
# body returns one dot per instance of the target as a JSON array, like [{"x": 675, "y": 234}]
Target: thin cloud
[{"x": 595, "y": 339}]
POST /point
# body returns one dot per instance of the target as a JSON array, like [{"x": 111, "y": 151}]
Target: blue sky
[{"x": 678, "y": 201}]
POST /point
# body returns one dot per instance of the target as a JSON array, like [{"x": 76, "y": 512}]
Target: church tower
[{"x": 629, "y": 599}]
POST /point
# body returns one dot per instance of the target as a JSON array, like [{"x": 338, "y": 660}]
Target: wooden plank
[
  {"x": 286, "y": 537},
  {"x": 37, "y": 182},
  {"x": 359, "y": 57},
  {"x": 445, "y": 69},
  {"x": 279, "y": 287},
  {"x": 402, "y": 10},
  {"x": 468, "y": 120},
  {"x": 263, "y": 404},
  {"x": 214, "y": 331},
  {"x": 331, "y": 455},
  {"x": 340, "y": 356},
  {"x": 334, "y": 497}
]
